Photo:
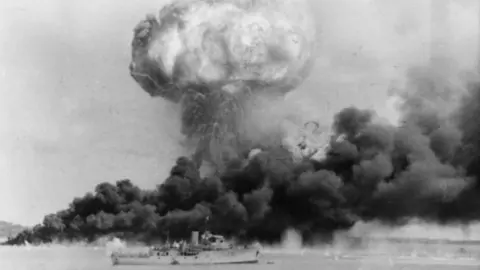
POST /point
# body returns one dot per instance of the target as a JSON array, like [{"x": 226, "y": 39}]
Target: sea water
[{"x": 90, "y": 258}]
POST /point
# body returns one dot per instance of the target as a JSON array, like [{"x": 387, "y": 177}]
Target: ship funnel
[{"x": 194, "y": 239}]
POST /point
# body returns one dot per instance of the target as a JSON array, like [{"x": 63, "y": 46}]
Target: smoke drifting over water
[
  {"x": 425, "y": 167},
  {"x": 417, "y": 229}
]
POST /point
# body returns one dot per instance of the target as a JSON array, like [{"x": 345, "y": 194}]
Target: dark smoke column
[{"x": 212, "y": 56}]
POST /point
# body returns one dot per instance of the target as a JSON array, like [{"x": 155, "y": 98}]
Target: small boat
[{"x": 213, "y": 250}]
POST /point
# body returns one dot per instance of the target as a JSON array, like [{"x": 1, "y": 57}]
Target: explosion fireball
[{"x": 214, "y": 56}]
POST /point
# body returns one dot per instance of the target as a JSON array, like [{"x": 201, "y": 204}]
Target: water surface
[{"x": 88, "y": 258}]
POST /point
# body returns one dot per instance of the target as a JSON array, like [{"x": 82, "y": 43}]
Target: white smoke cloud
[{"x": 225, "y": 45}]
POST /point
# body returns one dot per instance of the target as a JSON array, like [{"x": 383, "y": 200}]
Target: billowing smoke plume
[
  {"x": 213, "y": 57},
  {"x": 426, "y": 167},
  {"x": 224, "y": 45}
]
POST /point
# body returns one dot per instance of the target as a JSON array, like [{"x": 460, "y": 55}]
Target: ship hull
[{"x": 203, "y": 258}]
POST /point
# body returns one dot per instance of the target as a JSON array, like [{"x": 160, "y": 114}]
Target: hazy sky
[{"x": 72, "y": 117}]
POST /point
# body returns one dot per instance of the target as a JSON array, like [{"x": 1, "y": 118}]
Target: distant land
[{"x": 8, "y": 229}]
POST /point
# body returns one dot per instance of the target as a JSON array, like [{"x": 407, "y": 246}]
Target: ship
[{"x": 212, "y": 249}]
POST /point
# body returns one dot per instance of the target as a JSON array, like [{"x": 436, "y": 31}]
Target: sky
[{"x": 71, "y": 117}]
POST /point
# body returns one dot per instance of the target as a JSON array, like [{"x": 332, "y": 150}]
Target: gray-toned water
[{"x": 83, "y": 258}]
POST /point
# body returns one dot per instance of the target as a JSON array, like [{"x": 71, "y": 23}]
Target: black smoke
[{"x": 425, "y": 168}]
